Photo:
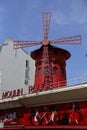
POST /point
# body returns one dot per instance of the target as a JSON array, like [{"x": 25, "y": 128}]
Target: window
[
  {"x": 27, "y": 72},
  {"x": 55, "y": 70},
  {"x": 39, "y": 71},
  {"x": 46, "y": 70},
  {"x": 27, "y": 63},
  {"x": 62, "y": 71},
  {"x": 26, "y": 82},
  {"x": 1, "y": 47}
]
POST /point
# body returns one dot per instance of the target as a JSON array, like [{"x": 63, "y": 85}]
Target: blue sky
[{"x": 22, "y": 20}]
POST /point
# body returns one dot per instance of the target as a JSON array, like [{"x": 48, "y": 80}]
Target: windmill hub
[{"x": 45, "y": 42}]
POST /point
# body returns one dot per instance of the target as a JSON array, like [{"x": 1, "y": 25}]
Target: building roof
[{"x": 60, "y": 95}]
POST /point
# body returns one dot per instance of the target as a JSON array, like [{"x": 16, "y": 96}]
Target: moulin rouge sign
[
  {"x": 12, "y": 93},
  {"x": 16, "y": 92}
]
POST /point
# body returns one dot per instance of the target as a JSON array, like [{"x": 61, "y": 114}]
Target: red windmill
[{"x": 50, "y": 61}]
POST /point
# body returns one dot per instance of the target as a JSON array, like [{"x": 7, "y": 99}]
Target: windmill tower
[{"x": 50, "y": 61}]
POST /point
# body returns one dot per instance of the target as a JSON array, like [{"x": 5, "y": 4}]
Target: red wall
[{"x": 57, "y": 114}]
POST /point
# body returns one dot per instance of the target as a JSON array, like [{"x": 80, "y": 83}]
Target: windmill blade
[
  {"x": 23, "y": 44},
  {"x": 68, "y": 40},
  {"x": 46, "y": 23}
]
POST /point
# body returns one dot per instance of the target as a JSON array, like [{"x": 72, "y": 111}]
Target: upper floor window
[
  {"x": 39, "y": 71},
  {"x": 55, "y": 70},
  {"x": 46, "y": 70},
  {"x": 27, "y": 72},
  {"x": 27, "y": 63},
  {"x": 62, "y": 71}
]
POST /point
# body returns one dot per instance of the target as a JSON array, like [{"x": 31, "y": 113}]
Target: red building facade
[{"x": 56, "y": 69}]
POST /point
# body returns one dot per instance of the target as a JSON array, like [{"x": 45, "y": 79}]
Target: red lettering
[
  {"x": 21, "y": 92},
  {"x": 13, "y": 93},
  {"x": 4, "y": 95},
  {"x": 10, "y": 94}
]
